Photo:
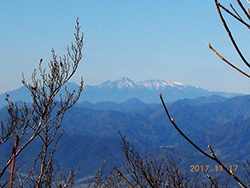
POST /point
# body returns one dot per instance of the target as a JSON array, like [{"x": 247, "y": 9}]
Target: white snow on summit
[
  {"x": 179, "y": 83},
  {"x": 124, "y": 82},
  {"x": 154, "y": 84},
  {"x": 148, "y": 84},
  {"x": 158, "y": 84}
]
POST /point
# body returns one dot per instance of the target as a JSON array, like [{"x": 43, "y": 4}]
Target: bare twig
[
  {"x": 182, "y": 134},
  {"x": 13, "y": 161},
  {"x": 230, "y": 34},
  {"x": 123, "y": 178},
  {"x": 237, "y": 16},
  {"x": 98, "y": 177},
  {"x": 152, "y": 173},
  {"x": 236, "y": 12},
  {"x": 210, "y": 178},
  {"x": 243, "y": 9},
  {"x": 236, "y": 68}
]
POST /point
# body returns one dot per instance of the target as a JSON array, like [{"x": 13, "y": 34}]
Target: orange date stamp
[{"x": 197, "y": 168}]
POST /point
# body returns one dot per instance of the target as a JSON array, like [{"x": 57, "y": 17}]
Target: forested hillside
[{"x": 92, "y": 132}]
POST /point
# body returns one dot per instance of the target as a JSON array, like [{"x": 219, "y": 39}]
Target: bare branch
[
  {"x": 243, "y": 9},
  {"x": 182, "y": 134},
  {"x": 235, "y": 13},
  {"x": 230, "y": 35},
  {"x": 43, "y": 119},
  {"x": 123, "y": 178},
  {"x": 237, "y": 16},
  {"x": 236, "y": 68}
]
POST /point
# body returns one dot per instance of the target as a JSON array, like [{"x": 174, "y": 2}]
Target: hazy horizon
[{"x": 140, "y": 81}]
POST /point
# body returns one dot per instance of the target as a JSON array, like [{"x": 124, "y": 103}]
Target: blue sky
[{"x": 141, "y": 40}]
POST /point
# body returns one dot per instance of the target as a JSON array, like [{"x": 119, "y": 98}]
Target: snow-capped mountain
[
  {"x": 123, "y": 89},
  {"x": 159, "y": 84},
  {"x": 149, "y": 84},
  {"x": 121, "y": 83},
  {"x": 147, "y": 91}
]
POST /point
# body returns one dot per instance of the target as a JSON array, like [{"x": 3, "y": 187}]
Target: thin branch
[
  {"x": 237, "y": 17},
  {"x": 13, "y": 160},
  {"x": 230, "y": 35},
  {"x": 243, "y": 8},
  {"x": 236, "y": 12},
  {"x": 209, "y": 177},
  {"x": 177, "y": 128},
  {"x": 98, "y": 176},
  {"x": 236, "y": 68},
  {"x": 123, "y": 178}
]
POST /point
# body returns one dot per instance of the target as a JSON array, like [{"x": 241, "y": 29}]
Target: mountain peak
[
  {"x": 124, "y": 82},
  {"x": 159, "y": 84},
  {"x": 123, "y": 89}
]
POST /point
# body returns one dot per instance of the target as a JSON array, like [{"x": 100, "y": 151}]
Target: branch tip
[{"x": 211, "y": 151}]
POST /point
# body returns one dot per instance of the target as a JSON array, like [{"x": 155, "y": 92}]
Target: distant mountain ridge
[
  {"x": 92, "y": 132},
  {"x": 149, "y": 84},
  {"x": 123, "y": 89}
]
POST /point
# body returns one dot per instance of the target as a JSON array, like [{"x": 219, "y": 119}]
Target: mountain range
[
  {"x": 124, "y": 89},
  {"x": 92, "y": 133},
  {"x": 220, "y": 122},
  {"x": 91, "y": 126}
]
